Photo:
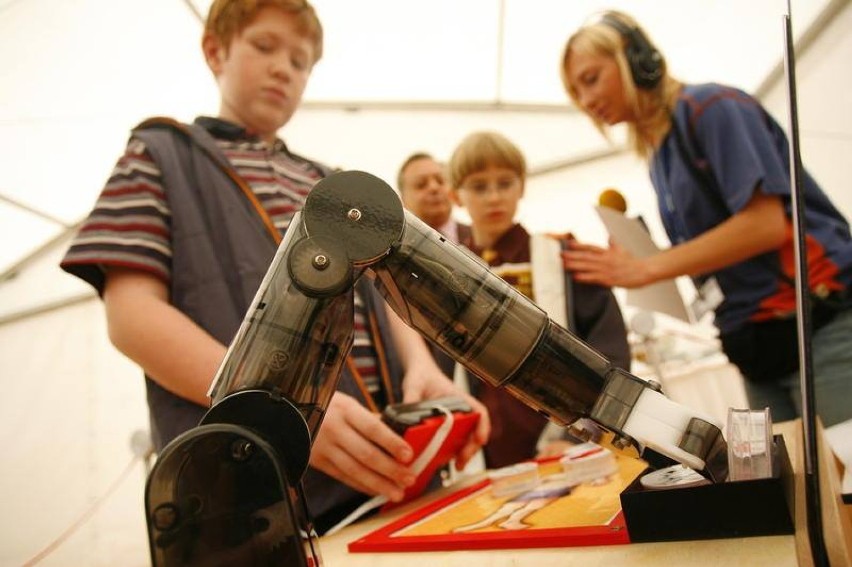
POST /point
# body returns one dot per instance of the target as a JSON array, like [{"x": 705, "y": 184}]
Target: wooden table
[
  {"x": 774, "y": 551},
  {"x": 836, "y": 517}
]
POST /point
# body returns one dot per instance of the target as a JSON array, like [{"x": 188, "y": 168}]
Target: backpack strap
[
  {"x": 703, "y": 176},
  {"x": 202, "y": 138},
  {"x": 705, "y": 179}
]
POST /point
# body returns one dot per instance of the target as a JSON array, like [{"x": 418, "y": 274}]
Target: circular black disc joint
[
  {"x": 358, "y": 211},
  {"x": 320, "y": 267}
]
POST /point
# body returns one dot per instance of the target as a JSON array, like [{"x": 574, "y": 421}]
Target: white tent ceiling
[{"x": 397, "y": 76}]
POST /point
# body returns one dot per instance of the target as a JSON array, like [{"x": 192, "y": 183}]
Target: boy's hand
[
  {"x": 356, "y": 448},
  {"x": 427, "y": 382}
]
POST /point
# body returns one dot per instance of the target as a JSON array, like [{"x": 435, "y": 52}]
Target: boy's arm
[
  {"x": 352, "y": 445},
  {"x": 175, "y": 352}
]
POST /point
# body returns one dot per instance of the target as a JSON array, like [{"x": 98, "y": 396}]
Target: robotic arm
[{"x": 229, "y": 490}]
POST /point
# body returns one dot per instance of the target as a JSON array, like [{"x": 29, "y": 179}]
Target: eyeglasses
[{"x": 481, "y": 189}]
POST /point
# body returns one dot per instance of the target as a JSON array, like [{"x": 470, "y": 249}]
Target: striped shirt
[
  {"x": 130, "y": 224},
  {"x": 364, "y": 355}
]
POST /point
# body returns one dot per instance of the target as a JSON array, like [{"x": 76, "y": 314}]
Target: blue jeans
[{"x": 831, "y": 349}]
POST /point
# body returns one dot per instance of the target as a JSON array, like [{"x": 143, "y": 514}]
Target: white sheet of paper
[
  {"x": 840, "y": 438},
  {"x": 631, "y": 234}
]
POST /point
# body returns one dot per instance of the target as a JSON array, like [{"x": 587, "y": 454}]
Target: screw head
[
  {"x": 241, "y": 449},
  {"x": 165, "y": 517}
]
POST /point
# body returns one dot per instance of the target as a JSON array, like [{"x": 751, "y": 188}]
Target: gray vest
[{"x": 220, "y": 253}]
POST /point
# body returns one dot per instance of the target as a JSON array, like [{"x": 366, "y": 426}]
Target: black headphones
[{"x": 646, "y": 63}]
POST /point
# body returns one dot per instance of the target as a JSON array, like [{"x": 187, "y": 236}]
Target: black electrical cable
[{"x": 813, "y": 508}]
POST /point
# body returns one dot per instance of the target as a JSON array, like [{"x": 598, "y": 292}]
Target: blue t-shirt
[{"x": 728, "y": 134}]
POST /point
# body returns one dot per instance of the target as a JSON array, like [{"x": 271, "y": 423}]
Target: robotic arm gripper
[{"x": 229, "y": 491}]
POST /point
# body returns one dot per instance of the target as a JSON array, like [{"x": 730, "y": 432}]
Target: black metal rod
[{"x": 813, "y": 507}]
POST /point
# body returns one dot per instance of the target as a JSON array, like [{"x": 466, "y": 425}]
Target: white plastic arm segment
[{"x": 659, "y": 423}]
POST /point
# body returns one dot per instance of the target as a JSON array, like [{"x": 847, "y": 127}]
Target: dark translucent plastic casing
[
  {"x": 218, "y": 496},
  {"x": 290, "y": 344},
  {"x": 449, "y": 295}
]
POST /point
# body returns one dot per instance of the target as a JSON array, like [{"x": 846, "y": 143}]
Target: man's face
[
  {"x": 426, "y": 193},
  {"x": 263, "y": 73}
]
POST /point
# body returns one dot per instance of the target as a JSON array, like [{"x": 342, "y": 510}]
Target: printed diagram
[
  {"x": 518, "y": 508},
  {"x": 553, "y": 504}
]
